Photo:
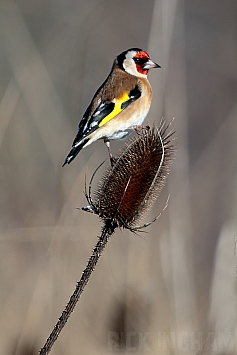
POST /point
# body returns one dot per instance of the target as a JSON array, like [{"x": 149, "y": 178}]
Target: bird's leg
[{"x": 112, "y": 159}]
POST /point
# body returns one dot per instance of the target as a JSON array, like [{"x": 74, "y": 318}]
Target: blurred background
[{"x": 171, "y": 290}]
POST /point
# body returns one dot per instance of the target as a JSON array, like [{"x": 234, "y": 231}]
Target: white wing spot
[
  {"x": 96, "y": 113},
  {"x": 94, "y": 123}
]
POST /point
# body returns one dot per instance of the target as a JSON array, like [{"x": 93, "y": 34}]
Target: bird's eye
[{"x": 136, "y": 60}]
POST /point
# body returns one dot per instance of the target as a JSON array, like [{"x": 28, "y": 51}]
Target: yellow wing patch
[{"x": 117, "y": 109}]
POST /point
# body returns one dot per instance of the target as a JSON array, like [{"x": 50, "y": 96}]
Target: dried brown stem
[{"x": 107, "y": 231}]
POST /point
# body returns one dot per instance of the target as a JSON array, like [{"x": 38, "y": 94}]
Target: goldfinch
[{"x": 120, "y": 105}]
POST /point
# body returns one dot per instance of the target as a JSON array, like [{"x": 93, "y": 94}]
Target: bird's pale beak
[{"x": 150, "y": 64}]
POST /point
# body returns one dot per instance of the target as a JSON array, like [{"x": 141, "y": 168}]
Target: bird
[{"x": 120, "y": 105}]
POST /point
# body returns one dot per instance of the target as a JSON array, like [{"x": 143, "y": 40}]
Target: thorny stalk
[{"x": 107, "y": 231}]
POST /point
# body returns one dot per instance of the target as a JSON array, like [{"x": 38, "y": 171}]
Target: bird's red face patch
[
  {"x": 142, "y": 55},
  {"x": 140, "y": 59}
]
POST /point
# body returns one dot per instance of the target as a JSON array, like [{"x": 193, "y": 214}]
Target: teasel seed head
[{"x": 129, "y": 188}]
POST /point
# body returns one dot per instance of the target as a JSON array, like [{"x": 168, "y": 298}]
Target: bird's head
[{"x": 136, "y": 62}]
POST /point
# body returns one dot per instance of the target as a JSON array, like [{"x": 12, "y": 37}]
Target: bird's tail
[{"x": 75, "y": 150}]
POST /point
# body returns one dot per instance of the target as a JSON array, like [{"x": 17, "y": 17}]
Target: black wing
[{"x": 90, "y": 122}]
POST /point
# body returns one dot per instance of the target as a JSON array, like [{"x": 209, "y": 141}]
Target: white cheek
[{"x": 130, "y": 66}]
